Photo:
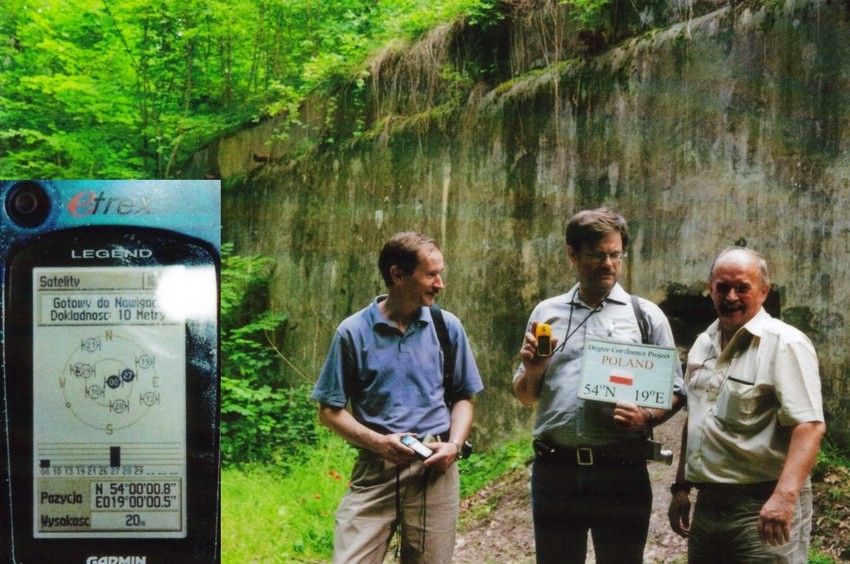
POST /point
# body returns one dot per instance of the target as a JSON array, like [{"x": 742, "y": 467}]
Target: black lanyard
[{"x": 583, "y": 321}]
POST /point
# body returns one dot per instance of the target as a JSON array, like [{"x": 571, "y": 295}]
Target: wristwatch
[
  {"x": 463, "y": 450},
  {"x": 680, "y": 487}
]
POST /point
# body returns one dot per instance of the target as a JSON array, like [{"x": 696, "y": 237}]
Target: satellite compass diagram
[{"x": 109, "y": 382}]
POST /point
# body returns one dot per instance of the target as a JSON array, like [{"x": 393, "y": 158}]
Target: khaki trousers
[
  {"x": 424, "y": 501},
  {"x": 723, "y": 530}
]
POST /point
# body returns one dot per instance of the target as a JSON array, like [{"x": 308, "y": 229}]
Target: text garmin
[
  {"x": 116, "y": 560},
  {"x": 87, "y": 203},
  {"x": 119, "y": 253}
]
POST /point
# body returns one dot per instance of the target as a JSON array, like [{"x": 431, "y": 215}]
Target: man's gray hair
[{"x": 754, "y": 255}]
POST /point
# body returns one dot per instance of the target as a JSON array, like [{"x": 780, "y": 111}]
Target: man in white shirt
[{"x": 755, "y": 423}]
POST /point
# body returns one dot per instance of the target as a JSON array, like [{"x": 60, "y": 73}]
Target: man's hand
[
  {"x": 445, "y": 454},
  {"x": 630, "y": 417},
  {"x": 530, "y": 383},
  {"x": 528, "y": 352},
  {"x": 774, "y": 523},
  {"x": 679, "y": 513},
  {"x": 389, "y": 448}
]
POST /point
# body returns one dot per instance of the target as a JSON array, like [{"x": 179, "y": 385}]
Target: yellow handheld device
[{"x": 544, "y": 339}]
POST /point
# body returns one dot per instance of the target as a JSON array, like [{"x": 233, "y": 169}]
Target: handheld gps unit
[
  {"x": 110, "y": 378},
  {"x": 544, "y": 339}
]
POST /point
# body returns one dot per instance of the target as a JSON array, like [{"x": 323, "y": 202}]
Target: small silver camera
[{"x": 658, "y": 454}]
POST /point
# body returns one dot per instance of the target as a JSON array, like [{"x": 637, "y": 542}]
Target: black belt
[
  {"x": 726, "y": 494},
  {"x": 620, "y": 452}
]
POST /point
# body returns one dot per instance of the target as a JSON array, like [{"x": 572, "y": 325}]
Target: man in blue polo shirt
[{"x": 386, "y": 361}]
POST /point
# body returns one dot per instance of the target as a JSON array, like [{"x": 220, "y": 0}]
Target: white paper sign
[{"x": 640, "y": 374}]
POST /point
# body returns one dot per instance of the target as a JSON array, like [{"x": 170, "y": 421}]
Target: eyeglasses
[{"x": 600, "y": 257}]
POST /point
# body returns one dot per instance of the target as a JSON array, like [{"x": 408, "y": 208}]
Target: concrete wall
[{"x": 727, "y": 128}]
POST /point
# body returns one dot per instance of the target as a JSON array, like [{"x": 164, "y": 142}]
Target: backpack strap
[
  {"x": 446, "y": 345},
  {"x": 643, "y": 324}
]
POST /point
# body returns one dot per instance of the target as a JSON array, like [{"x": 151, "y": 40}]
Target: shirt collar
[
  {"x": 376, "y": 318},
  {"x": 742, "y": 338},
  {"x": 757, "y": 324},
  {"x": 616, "y": 295}
]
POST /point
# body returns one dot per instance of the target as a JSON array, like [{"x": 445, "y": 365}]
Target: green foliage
[
  {"x": 457, "y": 83},
  {"x": 274, "y": 516},
  {"x": 588, "y": 14},
  {"x": 831, "y": 455},
  {"x": 609, "y": 21},
  {"x": 108, "y": 89},
  {"x": 262, "y": 417},
  {"x": 359, "y": 104},
  {"x": 831, "y": 479},
  {"x": 412, "y": 18},
  {"x": 268, "y": 516},
  {"x": 482, "y": 468},
  {"x": 67, "y": 109},
  {"x": 129, "y": 88},
  {"x": 816, "y": 557}
]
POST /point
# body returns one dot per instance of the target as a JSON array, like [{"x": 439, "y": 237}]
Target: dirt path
[{"x": 498, "y": 520}]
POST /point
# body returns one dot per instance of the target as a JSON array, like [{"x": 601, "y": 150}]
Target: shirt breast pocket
[{"x": 742, "y": 406}]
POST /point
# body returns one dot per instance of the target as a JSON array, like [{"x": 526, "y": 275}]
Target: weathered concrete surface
[{"x": 731, "y": 127}]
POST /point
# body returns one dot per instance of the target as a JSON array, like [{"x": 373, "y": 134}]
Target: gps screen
[{"x": 109, "y": 403}]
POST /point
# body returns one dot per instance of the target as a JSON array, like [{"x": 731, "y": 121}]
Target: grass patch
[
  {"x": 481, "y": 469},
  {"x": 271, "y": 517},
  {"x": 275, "y": 515},
  {"x": 831, "y": 485}
]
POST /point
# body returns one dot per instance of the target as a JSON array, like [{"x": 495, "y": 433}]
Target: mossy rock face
[{"x": 722, "y": 129}]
